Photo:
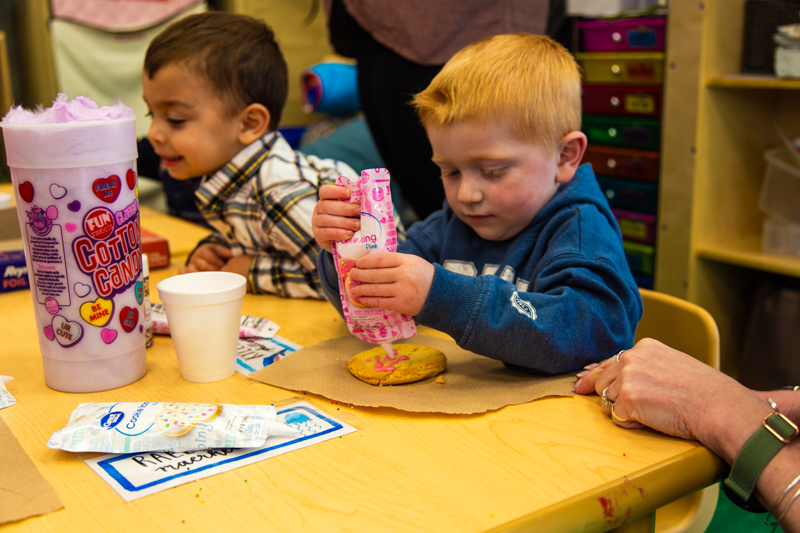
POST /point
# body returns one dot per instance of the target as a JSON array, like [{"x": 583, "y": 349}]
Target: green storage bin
[
  {"x": 641, "y": 133},
  {"x": 641, "y": 257},
  {"x": 642, "y": 68}
]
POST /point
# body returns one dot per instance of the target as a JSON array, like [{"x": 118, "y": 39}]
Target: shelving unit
[
  {"x": 623, "y": 65},
  {"x": 736, "y": 122}
]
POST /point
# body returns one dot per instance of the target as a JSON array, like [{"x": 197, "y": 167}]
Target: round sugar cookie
[{"x": 410, "y": 363}]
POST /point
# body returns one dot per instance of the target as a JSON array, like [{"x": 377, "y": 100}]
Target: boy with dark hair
[{"x": 215, "y": 85}]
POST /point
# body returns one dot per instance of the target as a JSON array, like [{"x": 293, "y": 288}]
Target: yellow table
[
  {"x": 556, "y": 464},
  {"x": 183, "y": 236}
]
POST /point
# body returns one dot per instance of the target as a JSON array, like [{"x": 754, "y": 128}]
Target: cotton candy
[{"x": 79, "y": 109}]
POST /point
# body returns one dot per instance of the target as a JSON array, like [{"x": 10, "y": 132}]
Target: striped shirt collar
[{"x": 218, "y": 187}]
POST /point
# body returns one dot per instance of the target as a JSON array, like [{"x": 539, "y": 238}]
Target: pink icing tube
[{"x": 377, "y": 234}]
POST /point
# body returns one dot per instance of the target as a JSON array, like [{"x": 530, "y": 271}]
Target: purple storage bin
[{"x": 625, "y": 35}]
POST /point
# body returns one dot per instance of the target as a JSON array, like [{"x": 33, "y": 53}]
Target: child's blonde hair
[{"x": 530, "y": 81}]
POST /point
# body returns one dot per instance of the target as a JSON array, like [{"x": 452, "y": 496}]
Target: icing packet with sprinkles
[
  {"x": 166, "y": 426},
  {"x": 377, "y": 234}
]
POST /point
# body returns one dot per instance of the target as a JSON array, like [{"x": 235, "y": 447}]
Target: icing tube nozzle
[
  {"x": 276, "y": 429},
  {"x": 389, "y": 349}
]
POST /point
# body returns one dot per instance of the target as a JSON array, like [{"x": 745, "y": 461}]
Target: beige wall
[
  {"x": 36, "y": 65},
  {"x": 303, "y": 43}
]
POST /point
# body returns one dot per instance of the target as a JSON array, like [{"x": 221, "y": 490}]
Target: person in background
[
  {"x": 215, "y": 85},
  {"x": 656, "y": 386},
  {"x": 524, "y": 263},
  {"x": 399, "y": 48}
]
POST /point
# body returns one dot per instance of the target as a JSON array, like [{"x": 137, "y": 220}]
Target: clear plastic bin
[
  {"x": 780, "y": 238},
  {"x": 780, "y": 192}
]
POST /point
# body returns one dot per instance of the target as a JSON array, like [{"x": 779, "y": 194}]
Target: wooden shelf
[
  {"x": 748, "y": 254},
  {"x": 753, "y": 81}
]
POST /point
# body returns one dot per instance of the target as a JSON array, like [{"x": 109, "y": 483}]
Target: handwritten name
[{"x": 185, "y": 459}]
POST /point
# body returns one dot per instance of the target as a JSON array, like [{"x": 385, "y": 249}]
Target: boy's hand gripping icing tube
[{"x": 377, "y": 234}]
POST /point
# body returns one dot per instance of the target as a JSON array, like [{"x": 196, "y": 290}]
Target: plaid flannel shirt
[{"x": 260, "y": 204}]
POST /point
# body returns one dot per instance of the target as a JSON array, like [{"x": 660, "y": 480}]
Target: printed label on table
[
  {"x": 253, "y": 353},
  {"x": 136, "y": 475},
  {"x": 6, "y": 399}
]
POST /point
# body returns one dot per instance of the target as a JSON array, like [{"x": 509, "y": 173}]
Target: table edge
[{"x": 619, "y": 501}]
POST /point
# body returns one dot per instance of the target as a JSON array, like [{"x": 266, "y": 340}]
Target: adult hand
[
  {"x": 659, "y": 387},
  {"x": 787, "y": 400},
  {"x": 334, "y": 219},
  {"x": 398, "y": 282},
  {"x": 207, "y": 257}
]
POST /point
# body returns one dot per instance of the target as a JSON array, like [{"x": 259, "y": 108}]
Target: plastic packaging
[
  {"x": 377, "y": 234},
  {"x": 166, "y": 426}
]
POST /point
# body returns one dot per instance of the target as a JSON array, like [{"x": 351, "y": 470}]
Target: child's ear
[
  {"x": 254, "y": 123},
  {"x": 570, "y": 155}
]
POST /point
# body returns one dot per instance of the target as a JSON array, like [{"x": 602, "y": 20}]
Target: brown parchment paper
[
  {"x": 23, "y": 490},
  {"x": 473, "y": 383}
]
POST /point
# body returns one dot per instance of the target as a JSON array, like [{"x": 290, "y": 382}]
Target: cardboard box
[
  {"x": 10, "y": 237},
  {"x": 156, "y": 248},
  {"x": 13, "y": 271}
]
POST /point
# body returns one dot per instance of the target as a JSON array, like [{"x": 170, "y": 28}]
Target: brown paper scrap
[
  {"x": 23, "y": 490},
  {"x": 473, "y": 383}
]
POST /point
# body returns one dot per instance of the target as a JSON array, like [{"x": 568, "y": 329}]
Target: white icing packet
[
  {"x": 250, "y": 326},
  {"x": 166, "y": 426},
  {"x": 6, "y": 400}
]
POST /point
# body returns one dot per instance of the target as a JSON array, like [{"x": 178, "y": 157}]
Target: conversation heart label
[
  {"x": 66, "y": 332},
  {"x": 98, "y": 312},
  {"x": 107, "y": 189},
  {"x": 128, "y": 318}
]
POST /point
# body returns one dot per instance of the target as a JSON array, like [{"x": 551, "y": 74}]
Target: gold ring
[
  {"x": 619, "y": 353},
  {"x": 617, "y": 417}
]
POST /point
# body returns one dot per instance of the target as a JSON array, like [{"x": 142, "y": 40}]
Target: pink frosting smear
[{"x": 79, "y": 109}]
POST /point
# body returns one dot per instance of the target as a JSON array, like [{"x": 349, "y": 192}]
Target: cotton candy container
[
  {"x": 73, "y": 168},
  {"x": 377, "y": 234}
]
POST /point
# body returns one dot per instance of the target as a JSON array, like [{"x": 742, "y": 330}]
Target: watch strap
[{"x": 760, "y": 448}]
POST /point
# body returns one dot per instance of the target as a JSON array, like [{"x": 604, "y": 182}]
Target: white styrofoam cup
[{"x": 204, "y": 311}]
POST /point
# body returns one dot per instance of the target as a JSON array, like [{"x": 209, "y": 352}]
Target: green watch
[{"x": 760, "y": 448}]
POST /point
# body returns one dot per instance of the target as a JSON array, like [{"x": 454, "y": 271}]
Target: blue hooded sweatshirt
[{"x": 552, "y": 299}]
